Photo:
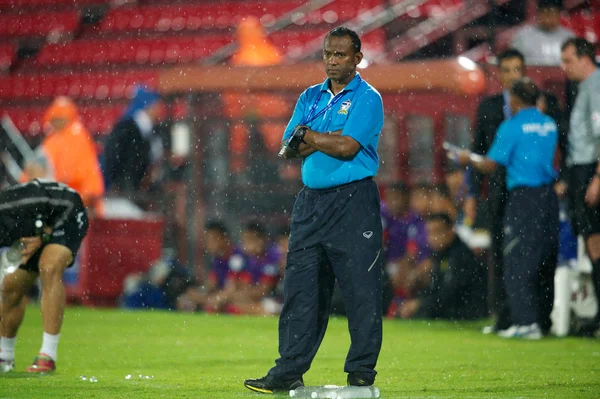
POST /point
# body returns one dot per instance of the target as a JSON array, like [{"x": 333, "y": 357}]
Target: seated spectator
[
  {"x": 407, "y": 255},
  {"x": 132, "y": 146},
  {"x": 68, "y": 155},
  {"x": 272, "y": 302},
  {"x": 541, "y": 43},
  {"x": 442, "y": 202},
  {"x": 457, "y": 289},
  {"x": 224, "y": 257},
  {"x": 254, "y": 278}
]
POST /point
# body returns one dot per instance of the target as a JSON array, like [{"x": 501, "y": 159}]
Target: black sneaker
[
  {"x": 360, "y": 380},
  {"x": 270, "y": 384}
]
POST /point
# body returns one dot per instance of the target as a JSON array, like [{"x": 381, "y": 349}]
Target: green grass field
[{"x": 209, "y": 356}]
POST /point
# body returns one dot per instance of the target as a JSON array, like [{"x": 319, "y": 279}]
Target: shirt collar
[{"x": 353, "y": 85}]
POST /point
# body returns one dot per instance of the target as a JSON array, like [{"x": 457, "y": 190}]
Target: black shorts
[
  {"x": 585, "y": 219},
  {"x": 70, "y": 234}
]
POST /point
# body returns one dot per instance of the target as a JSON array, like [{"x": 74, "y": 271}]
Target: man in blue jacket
[{"x": 336, "y": 228}]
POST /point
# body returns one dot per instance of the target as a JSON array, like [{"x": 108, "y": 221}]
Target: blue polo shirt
[
  {"x": 525, "y": 145},
  {"x": 359, "y": 114}
]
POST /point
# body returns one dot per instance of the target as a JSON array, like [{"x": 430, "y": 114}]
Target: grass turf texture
[{"x": 209, "y": 356}]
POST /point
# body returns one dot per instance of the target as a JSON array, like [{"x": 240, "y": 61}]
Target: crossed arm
[{"x": 332, "y": 144}]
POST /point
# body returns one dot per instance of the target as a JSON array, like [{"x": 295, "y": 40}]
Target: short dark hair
[
  {"x": 218, "y": 226},
  {"x": 256, "y": 228},
  {"x": 424, "y": 186},
  {"x": 526, "y": 90},
  {"x": 511, "y": 53},
  {"x": 441, "y": 217},
  {"x": 342, "y": 31},
  {"x": 583, "y": 48}
]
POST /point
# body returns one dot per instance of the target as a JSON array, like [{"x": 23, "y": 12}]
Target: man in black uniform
[
  {"x": 49, "y": 221},
  {"x": 492, "y": 111}
]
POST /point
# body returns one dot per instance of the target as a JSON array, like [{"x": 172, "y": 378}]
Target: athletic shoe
[
  {"x": 360, "y": 380},
  {"x": 42, "y": 364},
  {"x": 270, "y": 384},
  {"x": 526, "y": 332},
  {"x": 6, "y": 365}
]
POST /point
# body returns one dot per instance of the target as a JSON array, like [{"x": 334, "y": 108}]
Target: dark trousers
[
  {"x": 335, "y": 234},
  {"x": 500, "y": 300},
  {"x": 530, "y": 254}
]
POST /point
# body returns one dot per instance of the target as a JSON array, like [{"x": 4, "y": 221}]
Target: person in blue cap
[{"x": 132, "y": 146}]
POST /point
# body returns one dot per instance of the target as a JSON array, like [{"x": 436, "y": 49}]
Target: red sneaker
[{"x": 42, "y": 364}]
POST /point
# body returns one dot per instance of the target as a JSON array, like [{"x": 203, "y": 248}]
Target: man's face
[
  {"x": 214, "y": 242},
  {"x": 419, "y": 201},
  {"x": 397, "y": 201},
  {"x": 253, "y": 243},
  {"x": 548, "y": 18},
  {"x": 439, "y": 235},
  {"x": 510, "y": 70},
  {"x": 58, "y": 124},
  {"x": 573, "y": 65},
  {"x": 340, "y": 58}
]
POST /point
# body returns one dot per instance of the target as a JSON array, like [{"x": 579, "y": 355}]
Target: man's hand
[
  {"x": 409, "y": 308},
  {"x": 470, "y": 209},
  {"x": 592, "y": 195},
  {"x": 32, "y": 245}
]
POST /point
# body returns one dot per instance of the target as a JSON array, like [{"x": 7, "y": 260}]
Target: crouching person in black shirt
[
  {"x": 44, "y": 223},
  {"x": 457, "y": 289}
]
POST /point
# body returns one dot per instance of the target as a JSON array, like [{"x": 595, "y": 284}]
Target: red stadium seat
[
  {"x": 19, "y": 5},
  {"x": 139, "y": 51},
  {"x": 79, "y": 85},
  {"x": 431, "y": 8},
  {"x": 8, "y": 54},
  {"x": 584, "y": 23},
  {"x": 38, "y": 24},
  {"x": 163, "y": 18}
]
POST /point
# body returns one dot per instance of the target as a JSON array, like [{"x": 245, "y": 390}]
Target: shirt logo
[
  {"x": 344, "y": 107},
  {"x": 368, "y": 234}
]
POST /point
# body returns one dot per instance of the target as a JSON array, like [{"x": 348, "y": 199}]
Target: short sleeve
[
  {"x": 365, "y": 119},
  {"x": 504, "y": 144}
]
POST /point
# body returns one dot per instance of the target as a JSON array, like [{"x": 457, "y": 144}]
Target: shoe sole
[{"x": 256, "y": 389}]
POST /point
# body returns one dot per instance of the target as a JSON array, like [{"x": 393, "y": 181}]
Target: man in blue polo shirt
[
  {"x": 525, "y": 145},
  {"x": 336, "y": 228}
]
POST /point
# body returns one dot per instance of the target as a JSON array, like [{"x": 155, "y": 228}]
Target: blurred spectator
[
  {"x": 253, "y": 279},
  {"x": 492, "y": 111},
  {"x": 272, "y": 302},
  {"x": 408, "y": 262},
  {"x": 441, "y": 202},
  {"x": 584, "y": 169},
  {"x": 457, "y": 289},
  {"x": 159, "y": 288},
  {"x": 132, "y": 146},
  {"x": 68, "y": 154},
  {"x": 224, "y": 256},
  {"x": 540, "y": 43}
]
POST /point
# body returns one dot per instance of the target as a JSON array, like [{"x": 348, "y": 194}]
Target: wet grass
[{"x": 208, "y": 356}]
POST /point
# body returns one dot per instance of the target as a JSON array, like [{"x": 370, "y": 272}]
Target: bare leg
[
  {"x": 53, "y": 262},
  {"x": 14, "y": 288}
]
